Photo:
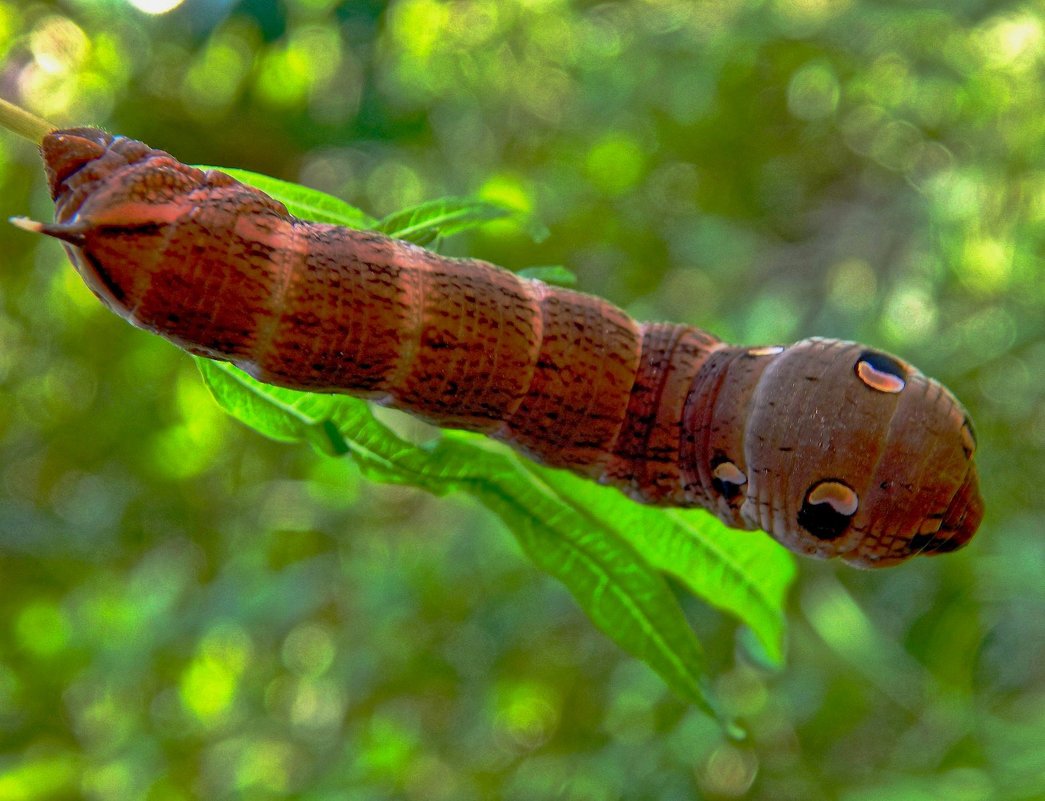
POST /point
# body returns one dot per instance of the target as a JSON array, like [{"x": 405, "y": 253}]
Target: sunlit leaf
[
  {"x": 741, "y": 572},
  {"x": 303, "y": 202},
  {"x": 551, "y": 274},
  {"x": 446, "y": 216}
]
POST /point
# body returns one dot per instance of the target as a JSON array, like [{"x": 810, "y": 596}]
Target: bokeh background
[{"x": 190, "y": 611}]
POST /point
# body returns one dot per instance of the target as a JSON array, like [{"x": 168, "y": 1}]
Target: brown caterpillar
[{"x": 833, "y": 448}]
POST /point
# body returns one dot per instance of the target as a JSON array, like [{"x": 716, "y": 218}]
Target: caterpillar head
[{"x": 849, "y": 452}]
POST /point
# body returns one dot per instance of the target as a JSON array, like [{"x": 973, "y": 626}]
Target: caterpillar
[{"x": 833, "y": 448}]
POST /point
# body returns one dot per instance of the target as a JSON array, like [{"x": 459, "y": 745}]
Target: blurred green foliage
[{"x": 193, "y": 611}]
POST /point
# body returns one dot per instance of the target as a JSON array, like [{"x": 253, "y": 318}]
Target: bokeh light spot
[
  {"x": 155, "y": 6},
  {"x": 109, "y": 616},
  {"x": 910, "y": 314},
  {"x": 728, "y": 771},
  {"x": 508, "y": 190},
  {"x": 9, "y": 21},
  {"x": 393, "y": 185},
  {"x": 267, "y": 765},
  {"x": 284, "y": 77},
  {"x": 389, "y": 746},
  {"x": 42, "y": 628},
  {"x": 41, "y": 777},
  {"x": 309, "y": 650},
  {"x": 214, "y": 77},
  {"x": 317, "y": 706},
  {"x": 989, "y": 332},
  {"x": 615, "y": 163},
  {"x": 770, "y": 318},
  {"x": 511, "y": 192},
  {"x": 529, "y": 713},
  {"x": 805, "y": 16},
  {"x": 987, "y": 264},
  {"x": 188, "y": 447},
  {"x": 114, "y": 780},
  {"x": 209, "y": 684},
  {"x": 58, "y": 45},
  {"x": 813, "y": 92},
  {"x": 418, "y": 25},
  {"x": 1016, "y": 42},
  {"x": 852, "y": 285},
  {"x": 895, "y": 145}
]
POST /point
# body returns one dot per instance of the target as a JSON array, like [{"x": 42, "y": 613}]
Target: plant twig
[{"x": 24, "y": 123}]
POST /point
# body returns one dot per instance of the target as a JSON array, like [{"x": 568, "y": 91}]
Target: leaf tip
[{"x": 734, "y": 731}]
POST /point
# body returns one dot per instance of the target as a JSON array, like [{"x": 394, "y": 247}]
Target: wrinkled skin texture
[{"x": 832, "y": 448}]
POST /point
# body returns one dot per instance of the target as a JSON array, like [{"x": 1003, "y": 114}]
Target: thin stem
[{"x": 24, "y": 123}]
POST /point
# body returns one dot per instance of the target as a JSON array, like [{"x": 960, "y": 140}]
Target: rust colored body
[{"x": 833, "y": 448}]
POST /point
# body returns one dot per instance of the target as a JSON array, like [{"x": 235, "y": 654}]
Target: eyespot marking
[
  {"x": 828, "y": 508},
  {"x": 727, "y": 478},
  {"x": 881, "y": 371}
]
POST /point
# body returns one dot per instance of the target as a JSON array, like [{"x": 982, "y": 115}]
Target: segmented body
[{"x": 831, "y": 447}]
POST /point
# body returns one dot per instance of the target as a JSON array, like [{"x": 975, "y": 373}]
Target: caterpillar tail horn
[{"x": 73, "y": 234}]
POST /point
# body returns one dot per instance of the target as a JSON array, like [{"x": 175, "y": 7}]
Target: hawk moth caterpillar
[{"x": 833, "y": 448}]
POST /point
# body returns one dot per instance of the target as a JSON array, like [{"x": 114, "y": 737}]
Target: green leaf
[
  {"x": 552, "y": 274},
  {"x": 446, "y": 216},
  {"x": 625, "y": 596},
  {"x": 308, "y": 204},
  {"x": 744, "y": 573},
  {"x": 282, "y": 415}
]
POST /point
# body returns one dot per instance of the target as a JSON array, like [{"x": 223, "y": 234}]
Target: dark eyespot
[
  {"x": 881, "y": 371},
  {"x": 828, "y": 508},
  {"x": 767, "y": 350},
  {"x": 968, "y": 438},
  {"x": 727, "y": 478}
]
